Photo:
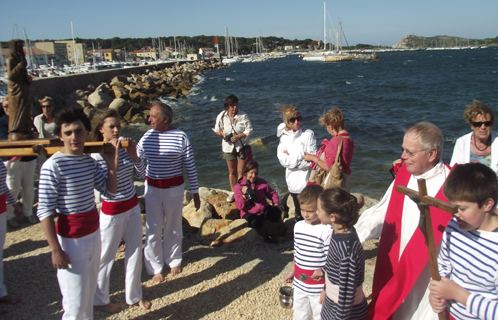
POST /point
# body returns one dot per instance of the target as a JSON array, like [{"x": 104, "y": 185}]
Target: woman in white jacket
[
  {"x": 295, "y": 141},
  {"x": 481, "y": 144}
]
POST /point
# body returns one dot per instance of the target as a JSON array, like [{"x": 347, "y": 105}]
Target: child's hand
[
  {"x": 448, "y": 290},
  {"x": 437, "y": 304},
  {"x": 289, "y": 277},
  {"x": 317, "y": 275},
  {"x": 322, "y": 296}
]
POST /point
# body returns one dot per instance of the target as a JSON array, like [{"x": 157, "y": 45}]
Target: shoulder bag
[{"x": 334, "y": 177}]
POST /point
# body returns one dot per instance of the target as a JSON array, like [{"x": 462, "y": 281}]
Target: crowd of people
[{"x": 329, "y": 261}]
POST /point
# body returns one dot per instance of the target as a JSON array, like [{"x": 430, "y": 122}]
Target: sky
[{"x": 381, "y": 22}]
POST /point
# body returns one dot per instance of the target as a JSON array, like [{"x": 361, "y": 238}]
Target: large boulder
[
  {"x": 120, "y": 92},
  {"x": 236, "y": 232},
  {"x": 194, "y": 217},
  {"x": 121, "y": 105},
  {"x": 100, "y": 99},
  {"x": 119, "y": 81}
]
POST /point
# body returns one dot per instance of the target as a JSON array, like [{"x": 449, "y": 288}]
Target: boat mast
[
  {"x": 27, "y": 49},
  {"x": 74, "y": 44},
  {"x": 324, "y": 26}
]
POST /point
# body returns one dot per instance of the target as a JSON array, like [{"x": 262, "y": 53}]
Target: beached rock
[
  {"x": 121, "y": 105},
  {"x": 120, "y": 92},
  {"x": 119, "y": 81},
  {"x": 100, "y": 99},
  {"x": 211, "y": 226},
  {"x": 196, "y": 218}
]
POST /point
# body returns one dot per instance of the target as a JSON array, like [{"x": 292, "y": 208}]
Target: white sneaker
[{"x": 230, "y": 197}]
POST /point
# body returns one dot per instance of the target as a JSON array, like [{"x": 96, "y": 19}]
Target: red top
[{"x": 330, "y": 149}]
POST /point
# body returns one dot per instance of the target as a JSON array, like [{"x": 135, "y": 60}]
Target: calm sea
[{"x": 379, "y": 99}]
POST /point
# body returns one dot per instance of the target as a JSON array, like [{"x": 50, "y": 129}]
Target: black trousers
[{"x": 256, "y": 220}]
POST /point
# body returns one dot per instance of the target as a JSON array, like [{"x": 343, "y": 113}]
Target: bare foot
[
  {"x": 144, "y": 304},
  {"x": 12, "y": 299},
  {"x": 109, "y": 308},
  {"x": 175, "y": 271},
  {"x": 158, "y": 278}
]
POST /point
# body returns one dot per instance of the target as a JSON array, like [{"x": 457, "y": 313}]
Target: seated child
[
  {"x": 66, "y": 186},
  {"x": 468, "y": 260},
  {"x": 343, "y": 296},
  {"x": 311, "y": 244}
]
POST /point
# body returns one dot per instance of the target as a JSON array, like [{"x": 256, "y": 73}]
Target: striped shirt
[
  {"x": 470, "y": 259},
  {"x": 127, "y": 170},
  {"x": 311, "y": 245},
  {"x": 345, "y": 267},
  {"x": 166, "y": 154},
  {"x": 66, "y": 185},
  {"x": 3, "y": 185}
]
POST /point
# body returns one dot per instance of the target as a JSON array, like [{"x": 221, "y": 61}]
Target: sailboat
[{"x": 232, "y": 55}]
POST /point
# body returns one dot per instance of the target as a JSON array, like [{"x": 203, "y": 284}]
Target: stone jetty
[{"x": 131, "y": 93}]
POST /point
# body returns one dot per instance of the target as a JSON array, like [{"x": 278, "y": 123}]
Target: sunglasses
[
  {"x": 479, "y": 124},
  {"x": 292, "y": 120}
]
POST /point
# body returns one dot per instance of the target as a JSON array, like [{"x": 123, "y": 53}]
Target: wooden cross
[
  {"x": 47, "y": 147},
  {"x": 423, "y": 202}
]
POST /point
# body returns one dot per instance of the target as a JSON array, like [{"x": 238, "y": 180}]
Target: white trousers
[
  {"x": 20, "y": 178},
  {"x": 78, "y": 283},
  {"x": 3, "y": 231},
  {"x": 163, "y": 242},
  {"x": 306, "y": 305},
  {"x": 126, "y": 226}
]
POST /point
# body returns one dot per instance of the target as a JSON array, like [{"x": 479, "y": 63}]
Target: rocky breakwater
[{"x": 131, "y": 94}]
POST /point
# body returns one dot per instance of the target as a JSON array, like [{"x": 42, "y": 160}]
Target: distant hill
[{"x": 411, "y": 42}]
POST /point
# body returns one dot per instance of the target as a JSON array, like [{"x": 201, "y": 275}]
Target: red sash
[
  {"x": 77, "y": 225},
  {"x": 298, "y": 271},
  {"x": 394, "y": 277},
  {"x": 165, "y": 183},
  {"x": 3, "y": 203},
  {"x": 114, "y": 208}
]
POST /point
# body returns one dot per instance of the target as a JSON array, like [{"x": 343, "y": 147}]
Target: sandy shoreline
[{"x": 216, "y": 283}]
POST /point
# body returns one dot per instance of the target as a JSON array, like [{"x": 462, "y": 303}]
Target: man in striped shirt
[
  {"x": 167, "y": 151},
  {"x": 66, "y": 186},
  {"x": 468, "y": 260}
]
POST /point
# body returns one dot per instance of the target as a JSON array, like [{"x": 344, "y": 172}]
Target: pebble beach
[{"x": 238, "y": 282}]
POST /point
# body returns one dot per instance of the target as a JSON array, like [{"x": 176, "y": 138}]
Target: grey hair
[
  {"x": 428, "y": 136},
  {"x": 164, "y": 110}
]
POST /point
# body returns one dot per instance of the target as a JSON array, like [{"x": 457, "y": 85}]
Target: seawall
[{"x": 63, "y": 85}]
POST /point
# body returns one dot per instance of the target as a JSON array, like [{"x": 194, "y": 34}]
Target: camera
[
  {"x": 251, "y": 194},
  {"x": 228, "y": 137}
]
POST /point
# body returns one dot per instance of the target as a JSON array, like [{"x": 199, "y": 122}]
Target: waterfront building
[{"x": 76, "y": 53}]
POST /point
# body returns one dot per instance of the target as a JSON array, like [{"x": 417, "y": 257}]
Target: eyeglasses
[
  {"x": 292, "y": 120},
  {"x": 410, "y": 153},
  {"x": 479, "y": 124},
  {"x": 49, "y": 106}
]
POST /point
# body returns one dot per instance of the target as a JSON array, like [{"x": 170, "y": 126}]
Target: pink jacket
[
  {"x": 263, "y": 191},
  {"x": 330, "y": 149}
]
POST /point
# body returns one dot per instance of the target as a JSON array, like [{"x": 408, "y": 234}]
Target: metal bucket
[{"x": 285, "y": 294}]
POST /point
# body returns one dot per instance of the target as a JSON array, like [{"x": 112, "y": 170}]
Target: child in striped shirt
[
  {"x": 468, "y": 260},
  {"x": 311, "y": 242},
  {"x": 342, "y": 296}
]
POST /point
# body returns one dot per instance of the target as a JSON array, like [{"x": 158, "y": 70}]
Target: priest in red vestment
[{"x": 402, "y": 273}]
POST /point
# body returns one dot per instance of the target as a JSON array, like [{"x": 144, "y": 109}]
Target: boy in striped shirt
[
  {"x": 311, "y": 245},
  {"x": 468, "y": 260},
  {"x": 66, "y": 186}
]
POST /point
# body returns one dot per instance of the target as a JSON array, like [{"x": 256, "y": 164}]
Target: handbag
[{"x": 333, "y": 178}]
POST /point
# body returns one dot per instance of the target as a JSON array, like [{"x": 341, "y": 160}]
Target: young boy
[
  {"x": 468, "y": 260},
  {"x": 66, "y": 186},
  {"x": 311, "y": 245}
]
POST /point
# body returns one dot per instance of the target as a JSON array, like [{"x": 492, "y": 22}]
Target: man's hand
[
  {"x": 60, "y": 259},
  {"x": 131, "y": 150},
  {"x": 197, "y": 201}
]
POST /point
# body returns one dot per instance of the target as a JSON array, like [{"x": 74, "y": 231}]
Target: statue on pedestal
[{"x": 18, "y": 92}]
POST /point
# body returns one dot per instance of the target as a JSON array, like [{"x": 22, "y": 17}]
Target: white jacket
[
  {"x": 461, "y": 153},
  {"x": 297, "y": 170}
]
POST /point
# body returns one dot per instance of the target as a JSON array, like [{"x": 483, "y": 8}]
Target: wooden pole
[
  {"x": 424, "y": 201},
  {"x": 37, "y": 147}
]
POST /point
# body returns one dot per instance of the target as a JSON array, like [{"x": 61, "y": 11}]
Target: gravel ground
[{"x": 216, "y": 283}]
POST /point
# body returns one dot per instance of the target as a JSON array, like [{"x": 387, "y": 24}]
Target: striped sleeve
[
  {"x": 48, "y": 189},
  {"x": 3, "y": 186},
  {"x": 189, "y": 163},
  {"x": 482, "y": 307},
  {"x": 348, "y": 281}
]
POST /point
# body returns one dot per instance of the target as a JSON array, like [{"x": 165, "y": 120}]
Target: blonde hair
[
  {"x": 475, "y": 109},
  {"x": 287, "y": 112},
  {"x": 98, "y": 122},
  {"x": 46, "y": 99},
  {"x": 334, "y": 118}
]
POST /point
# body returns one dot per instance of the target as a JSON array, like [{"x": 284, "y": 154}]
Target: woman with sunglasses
[
  {"x": 334, "y": 121},
  {"x": 295, "y": 141},
  {"x": 479, "y": 145}
]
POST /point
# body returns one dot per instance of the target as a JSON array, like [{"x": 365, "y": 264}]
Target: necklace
[{"x": 478, "y": 147}]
